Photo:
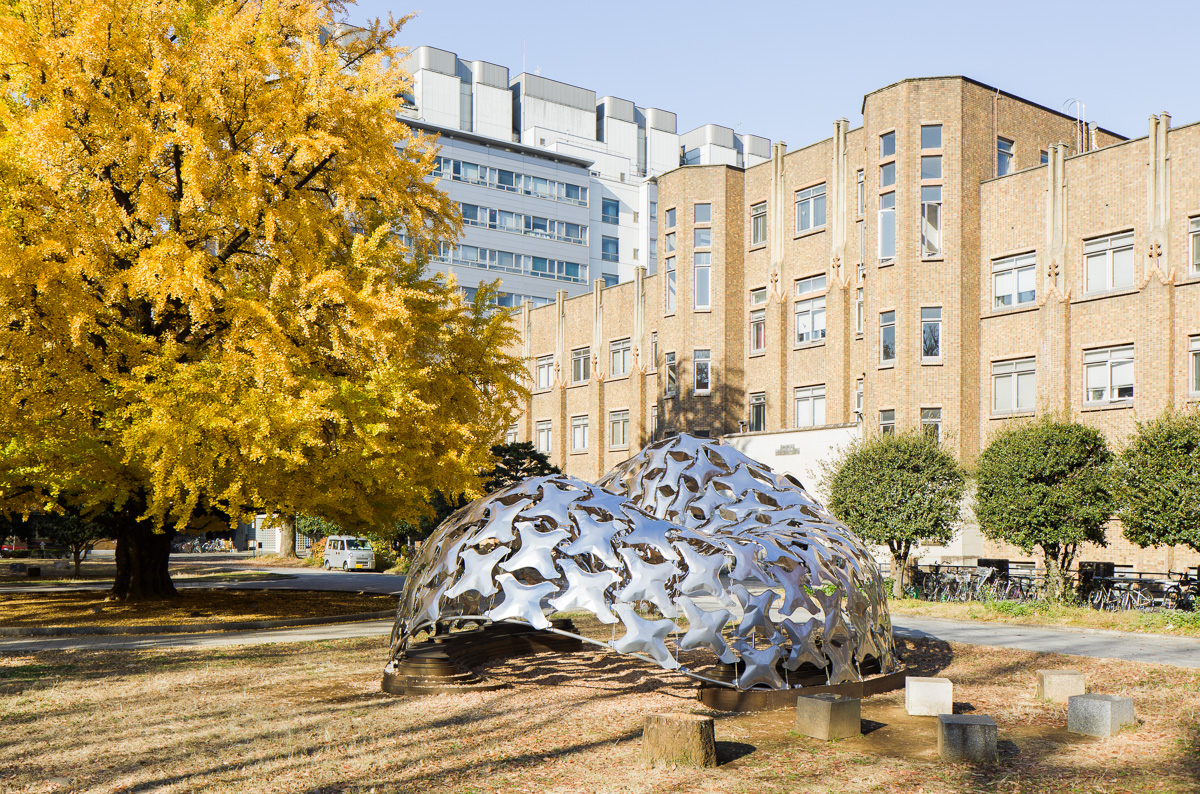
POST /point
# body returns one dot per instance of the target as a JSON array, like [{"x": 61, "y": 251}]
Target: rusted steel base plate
[{"x": 724, "y": 699}]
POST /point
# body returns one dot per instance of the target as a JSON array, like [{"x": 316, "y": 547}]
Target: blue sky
[{"x": 787, "y": 70}]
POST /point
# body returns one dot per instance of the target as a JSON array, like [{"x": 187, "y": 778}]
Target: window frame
[
  {"x": 859, "y": 311},
  {"x": 670, "y": 219},
  {"x": 581, "y": 364},
  {"x": 512, "y": 434},
  {"x": 861, "y": 179},
  {"x": 887, "y": 421},
  {"x": 579, "y": 426},
  {"x": 1008, "y": 156},
  {"x": 1011, "y": 370},
  {"x": 928, "y": 420},
  {"x": 890, "y": 211},
  {"x": 886, "y": 138},
  {"x": 931, "y": 206},
  {"x": 940, "y": 133},
  {"x": 618, "y": 418},
  {"x": 701, "y": 360},
  {"x": 624, "y": 348},
  {"x": 1114, "y": 355},
  {"x": 1194, "y": 245},
  {"x": 671, "y": 374},
  {"x": 670, "y": 287},
  {"x": 758, "y": 223},
  {"x": 1014, "y": 266},
  {"x": 813, "y": 308},
  {"x": 887, "y": 320},
  {"x": 811, "y": 197},
  {"x": 809, "y": 395},
  {"x": 606, "y": 217},
  {"x": 756, "y": 405},
  {"x": 1194, "y": 365},
  {"x": 702, "y": 266},
  {"x": 696, "y": 212},
  {"x": 758, "y": 331},
  {"x": 545, "y": 363},
  {"x": 545, "y": 426},
  {"x": 927, "y": 318},
  {"x": 1114, "y": 244}
]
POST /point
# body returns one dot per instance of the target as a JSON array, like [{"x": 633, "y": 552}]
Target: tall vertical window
[
  {"x": 931, "y": 220},
  {"x": 887, "y": 145},
  {"x": 887, "y": 421},
  {"x": 858, "y": 397},
  {"x": 610, "y": 249},
  {"x": 1194, "y": 244},
  {"x": 671, "y": 286},
  {"x": 862, "y": 193},
  {"x": 610, "y": 210},
  {"x": 931, "y": 423},
  {"x": 810, "y": 320},
  {"x": 581, "y": 364},
  {"x": 1108, "y": 263},
  {"x": 809, "y": 405},
  {"x": 511, "y": 435},
  {"x": 653, "y": 210},
  {"x": 931, "y": 166},
  {"x": 1108, "y": 375},
  {"x": 541, "y": 437},
  {"x": 931, "y": 333},
  {"x": 758, "y": 412},
  {"x": 887, "y": 226},
  {"x": 1194, "y": 364},
  {"x": 653, "y": 421},
  {"x": 702, "y": 238},
  {"x": 931, "y": 136},
  {"x": 810, "y": 208},
  {"x": 672, "y": 368},
  {"x": 703, "y": 280},
  {"x": 653, "y": 250},
  {"x": 670, "y": 239},
  {"x": 1044, "y": 157},
  {"x": 618, "y": 429},
  {"x": 545, "y": 369},
  {"x": 654, "y": 350},
  {"x": 620, "y": 357},
  {"x": 858, "y": 310},
  {"x": 887, "y": 336},
  {"x": 758, "y": 320},
  {"x": 1013, "y": 386},
  {"x": 1014, "y": 281},
  {"x": 887, "y": 174},
  {"x": 758, "y": 223},
  {"x": 579, "y": 433},
  {"x": 703, "y": 213},
  {"x": 671, "y": 218},
  {"x": 702, "y": 363},
  {"x": 862, "y": 241},
  {"x": 1004, "y": 156}
]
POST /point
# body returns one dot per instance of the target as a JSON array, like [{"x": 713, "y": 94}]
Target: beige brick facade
[{"x": 1038, "y": 215}]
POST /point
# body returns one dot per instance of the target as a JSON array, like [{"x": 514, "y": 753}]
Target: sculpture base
[{"x": 724, "y": 699}]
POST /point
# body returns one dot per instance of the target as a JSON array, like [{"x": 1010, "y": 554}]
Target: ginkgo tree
[{"x": 213, "y": 294}]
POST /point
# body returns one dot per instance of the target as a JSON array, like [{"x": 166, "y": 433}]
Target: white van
[{"x": 349, "y": 553}]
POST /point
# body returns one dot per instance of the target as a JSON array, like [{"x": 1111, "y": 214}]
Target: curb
[{"x": 194, "y": 628}]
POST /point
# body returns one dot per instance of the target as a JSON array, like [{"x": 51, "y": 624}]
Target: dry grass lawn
[
  {"x": 190, "y": 608},
  {"x": 310, "y": 718},
  {"x": 1161, "y": 621},
  {"x": 92, "y": 571}
]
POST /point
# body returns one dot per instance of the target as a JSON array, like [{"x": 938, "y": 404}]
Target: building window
[
  {"x": 1004, "y": 156},
  {"x": 670, "y": 243},
  {"x": 581, "y": 365},
  {"x": 618, "y": 429},
  {"x": 511, "y": 435},
  {"x": 653, "y": 422},
  {"x": 654, "y": 349},
  {"x": 703, "y": 281},
  {"x": 1194, "y": 239},
  {"x": 1108, "y": 263},
  {"x": 653, "y": 249},
  {"x": 931, "y": 166},
  {"x": 612, "y": 279},
  {"x": 887, "y": 421},
  {"x": 610, "y": 249},
  {"x": 887, "y": 336},
  {"x": 887, "y": 145},
  {"x": 702, "y": 238},
  {"x": 1013, "y": 386},
  {"x": 862, "y": 193},
  {"x": 1044, "y": 157},
  {"x": 653, "y": 210},
  {"x": 542, "y": 436},
  {"x": 931, "y": 220},
  {"x": 810, "y": 406},
  {"x": 862, "y": 241},
  {"x": 1014, "y": 281},
  {"x": 810, "y": 284},
  {"x": 931, "y": 333},
  {"x": 672, "y": 368},
  {"x": 887, "y": 174},
  {"x": 758, "y": 224},
  {"x": 671, "y": 218},
  {"x": 545, "y": 368},
  {"x": 610, "y": 210},
  {"x": 703, "y": 213},
  {"x": 579, "y": 433},
  {"x": 858, "y": 397},
  {"x": 931, "y": 136},
  {"x": 810, "y": 208},
  {"x": 758, "y": 330},
  {"x": 1108, "y": 375},
  {"x": 671, "y": 287},
  {"x": 702, "y": 362},
  {"x": 931, "y": 423},
  {"x": 810, "y": 320},
  {"x": 887, "y": 226},
  {"x": 620, "y": 356},
  {"x": 758, "y": 412},
  {"x": 758, "y": 297},
  {"x": 858, "y": 310},
  {"x": 1194, "y": 364}
]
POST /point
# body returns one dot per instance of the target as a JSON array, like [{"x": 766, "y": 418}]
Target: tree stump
[{"x": 682, "y": 739}]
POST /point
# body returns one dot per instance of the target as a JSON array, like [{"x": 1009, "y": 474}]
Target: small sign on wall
[{"x": 787, "y": 449}]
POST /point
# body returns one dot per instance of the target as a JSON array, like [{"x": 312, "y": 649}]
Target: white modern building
[{"x": 557, "y": 186}]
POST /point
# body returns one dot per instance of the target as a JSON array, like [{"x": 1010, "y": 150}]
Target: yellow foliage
[{"x": 212, "y": 237}]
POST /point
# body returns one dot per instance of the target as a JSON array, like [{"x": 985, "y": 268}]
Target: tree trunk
[
  {"x": 143, "y": 558},
  {"x": 287, "y": 536},
  {"x": 78, "y": 552},
  {"x": 1055, "y": 585},
  {"x": 899, "y": 569}
]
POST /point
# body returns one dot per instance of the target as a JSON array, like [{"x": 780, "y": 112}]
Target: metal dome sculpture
[{"x": 689, "y": 525}]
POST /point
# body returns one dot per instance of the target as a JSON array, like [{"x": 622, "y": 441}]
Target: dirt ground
[
  {"x": 193, "y": 606},
  {"x": 102, "y": 570},
  {"x": 310, "y": 718}
]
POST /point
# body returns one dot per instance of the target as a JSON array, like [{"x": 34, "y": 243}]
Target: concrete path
[{"x": 300, "y": 579}]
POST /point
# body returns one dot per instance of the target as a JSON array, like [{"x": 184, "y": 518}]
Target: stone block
[
  {"x": 928, "y": 697},
  {"x": 33, "y": 570},
  {"x": 1058, "y": 685},
  {"x": 1099, "y": 715},
  {"x": 682, "y": 739},
  {"x": 828, "y": 716},
  {"x": 967, "y": 737}
]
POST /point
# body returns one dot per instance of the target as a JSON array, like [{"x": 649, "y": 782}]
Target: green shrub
[{"x": 1158, "y": 482}]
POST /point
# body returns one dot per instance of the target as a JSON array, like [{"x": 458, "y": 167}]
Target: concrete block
[
  {"x": 967, "y": 737},
  {"x": 1058, "y": 685},
  {"x": 928, "y": 697},
  {"x": 679, "y": 739},
  {"x": 828, "y": 716},
  {"x": 1099, "y": 715}
]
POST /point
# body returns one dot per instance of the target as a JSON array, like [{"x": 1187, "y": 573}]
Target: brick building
[{"x": 962, "y": 259}]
